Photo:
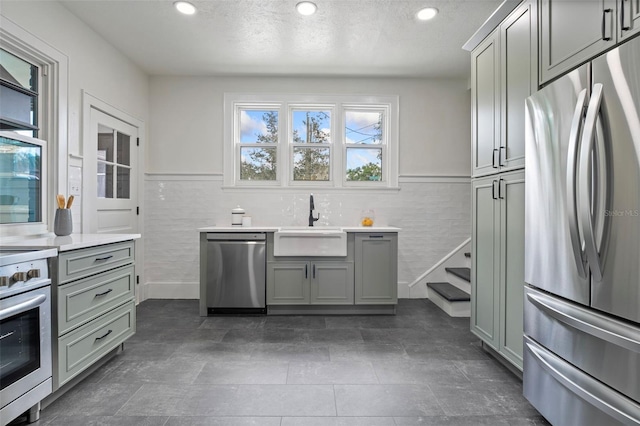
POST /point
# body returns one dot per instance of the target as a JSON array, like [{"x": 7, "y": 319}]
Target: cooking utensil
[
  {"x": 70, "y": 201},
  {"x": 60, "y": 199}
]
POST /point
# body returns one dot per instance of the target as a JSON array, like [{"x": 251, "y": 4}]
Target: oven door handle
[{"x": 23, "y": 306}]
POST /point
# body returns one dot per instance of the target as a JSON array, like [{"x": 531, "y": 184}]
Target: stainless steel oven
[{"x": 25, "y": 332}]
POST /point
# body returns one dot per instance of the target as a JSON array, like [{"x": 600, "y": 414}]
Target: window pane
[
  {"x": 17, "y": 71},
  {"x": 123, "y": 155},
  {"x": 311, "y": 164},
  {"x": 258, "y": 163},
  {"x": 105, "y": 146},
  {"x": 123, "y": 182},
  {"x": 258, "y": 126},
  {"x": 105, "y": 180},
  {"x": 16, "y": 108},
  {"x": 363, "y": 127},
  {"x": 364, "y": 164},
  {"x": 311, "y": 126},
  {"x": 20, "y": 181}
]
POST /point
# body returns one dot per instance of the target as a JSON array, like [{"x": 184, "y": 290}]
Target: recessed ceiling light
[
  {"x": 427, "y": 13},
  {"x": 306, "y": 8},
  {"x": 185, "y": 7}
]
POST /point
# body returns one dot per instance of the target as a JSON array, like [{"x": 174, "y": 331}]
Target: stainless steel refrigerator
[{"x": 582, "y": 244}]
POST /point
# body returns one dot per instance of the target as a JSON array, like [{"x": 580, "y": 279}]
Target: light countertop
[
  {"x": 69, "y": 242},
  {"x": 276, "y": 228}
]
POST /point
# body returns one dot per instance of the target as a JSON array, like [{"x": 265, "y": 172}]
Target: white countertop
[
  {"x": 276, "y": 228},
  {"x": 69, "y": 242}
]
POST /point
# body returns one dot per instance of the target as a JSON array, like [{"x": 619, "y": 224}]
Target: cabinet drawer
[
  {"x": 81, "y": 301},
  {"x": 76, "y": 264},
  {"x": 80, "y": 348}
]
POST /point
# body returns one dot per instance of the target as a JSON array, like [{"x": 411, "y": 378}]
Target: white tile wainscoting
[{"x": 434, "y": 213}]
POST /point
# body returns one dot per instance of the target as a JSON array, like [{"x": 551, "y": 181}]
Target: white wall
[
  {"x": 184, "y": 190},
  {"x": 94, "y": 66},
  {"x": 187, "y": 119}
]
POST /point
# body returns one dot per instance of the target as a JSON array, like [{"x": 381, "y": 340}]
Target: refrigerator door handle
[
  {"x": 590, "y": 323},
  {"x": 574, "y": 138},
  {"x": 619, "y": 407},
  {"x": 584, "y": 184}
]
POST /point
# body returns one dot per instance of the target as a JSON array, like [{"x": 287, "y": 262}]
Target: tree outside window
[
  {"x": 311, "y": 140},
  {"x": 363, "y": 145},
  {"x": 258, "y": 145}
]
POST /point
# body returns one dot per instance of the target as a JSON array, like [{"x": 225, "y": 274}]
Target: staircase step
[
  {"x": 449, "y": 292},
  {"x": 464, "y": 273},
  {"x": 467, "y": 254}
]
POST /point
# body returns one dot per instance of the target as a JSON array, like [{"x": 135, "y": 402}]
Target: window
[
  {"x": 312, "y": 141},
  {"x": 19, "y": 94}
]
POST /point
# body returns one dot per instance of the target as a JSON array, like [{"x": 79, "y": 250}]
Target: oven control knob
[
  {"x": 19, "y": 276},
  {"x": 33, "y": 273},
  {"x": 4, "y": 281}
]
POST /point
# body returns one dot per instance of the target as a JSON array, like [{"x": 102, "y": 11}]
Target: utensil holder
[{"x": 62, "y": 222}]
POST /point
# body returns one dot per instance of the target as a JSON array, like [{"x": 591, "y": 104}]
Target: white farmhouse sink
[{"x": 310, "y": 241}]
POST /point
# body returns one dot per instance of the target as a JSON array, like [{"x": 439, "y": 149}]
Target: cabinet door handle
[
  {"x": 493, "y": 160},
  {"x": 502, "y": 157},
  {"x": 105, "y": 335},
  {"x": 493, "y": 190},
  {"x": 306, "y": 271},
  {"x": 500, "y": 194},
  {"x": 604, "y": 24},
  {"x": 100, "y": 259},
  {"x": 622, "y": 25},
  {"x": 314, "y": 270},
  {"x": 104, "y": 293}
]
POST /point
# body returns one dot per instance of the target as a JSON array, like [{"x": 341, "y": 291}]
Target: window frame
[{"x": 286, "y": 104}]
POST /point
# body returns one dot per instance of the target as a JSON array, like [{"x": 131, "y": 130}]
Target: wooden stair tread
[
  {"x": 449, "y": 292},
  {"x": 464, "y": 273}
]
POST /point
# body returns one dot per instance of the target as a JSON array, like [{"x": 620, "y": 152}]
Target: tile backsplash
[{"x": 434, "y": 214}]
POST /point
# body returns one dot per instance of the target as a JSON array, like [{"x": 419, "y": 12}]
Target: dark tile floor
[{"x": 419, "y": 367}]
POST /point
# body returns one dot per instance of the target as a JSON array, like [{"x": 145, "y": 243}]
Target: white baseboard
[{"x": 172, "y": 290}]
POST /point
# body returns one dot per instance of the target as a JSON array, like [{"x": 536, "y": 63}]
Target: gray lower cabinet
[
  {"x": 497, "y": 273},
  {"x": 376, "y": 269},
  {"x": 573, "y": 32},
  {"x": 94, "y": 296},
  {"x": 314, "y": 282}
]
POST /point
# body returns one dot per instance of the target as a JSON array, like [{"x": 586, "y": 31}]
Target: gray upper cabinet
[
  {"x": 574, "y": 31},
  {"x": 485, "y": 101},
  {"x": 376, "y": 274},
  {"x": 629, "y": 12},
  {"x": 504, "y": 74}
]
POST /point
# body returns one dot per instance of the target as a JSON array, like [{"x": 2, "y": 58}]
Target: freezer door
[
  {"x": 618, "y": 292},
  {"x": 554, "y": 259}
]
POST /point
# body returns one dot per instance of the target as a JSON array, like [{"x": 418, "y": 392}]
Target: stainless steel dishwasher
[{"x": 234, "y": 273}]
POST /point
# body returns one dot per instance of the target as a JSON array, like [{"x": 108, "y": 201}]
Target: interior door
[{"x": 111, "y": 161}]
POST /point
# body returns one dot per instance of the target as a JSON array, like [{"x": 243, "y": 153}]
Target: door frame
[{"x": 88, "y": 102}]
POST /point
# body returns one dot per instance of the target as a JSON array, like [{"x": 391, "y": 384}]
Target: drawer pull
[
  {"x": 103, "y": 293},
  {"x": 376, "y": 236},
  {"x": 106, "y": 334},
  {"x": 100, "y": 259}
]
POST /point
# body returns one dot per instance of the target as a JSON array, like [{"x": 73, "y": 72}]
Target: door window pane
[
  {"x": 364, "y": 164},
  {"x": 105, "y": 146},
  {"x": 311, "y": 164},
  {"x": 124, "y": 149},
  {"x": 363, "y": 127},
  {"x": 258, "y": 126},
  {"x": 311, "y": 126},
  {"x": 105, "y": 180},
  {"x": 258, "y": 163},
  {"x": 123, "y": 182}
]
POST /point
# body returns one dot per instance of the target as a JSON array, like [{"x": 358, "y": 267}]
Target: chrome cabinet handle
[
  {"x": 572, "y": 211},
  {"x": 493, "y": 190},
  {"x": 105, "y": 335},
  {"x": 500, "y": 156},
  {"x": 103, "y": 293},
  {"x": 493, "y": 159},
  {"x": 500, "y": 194},
  {"x": 100, "y": 259},
  {"x": 584, "y": 190}
]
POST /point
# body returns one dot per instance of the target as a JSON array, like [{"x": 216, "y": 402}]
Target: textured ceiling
[{"x": 268, "y": 37}]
